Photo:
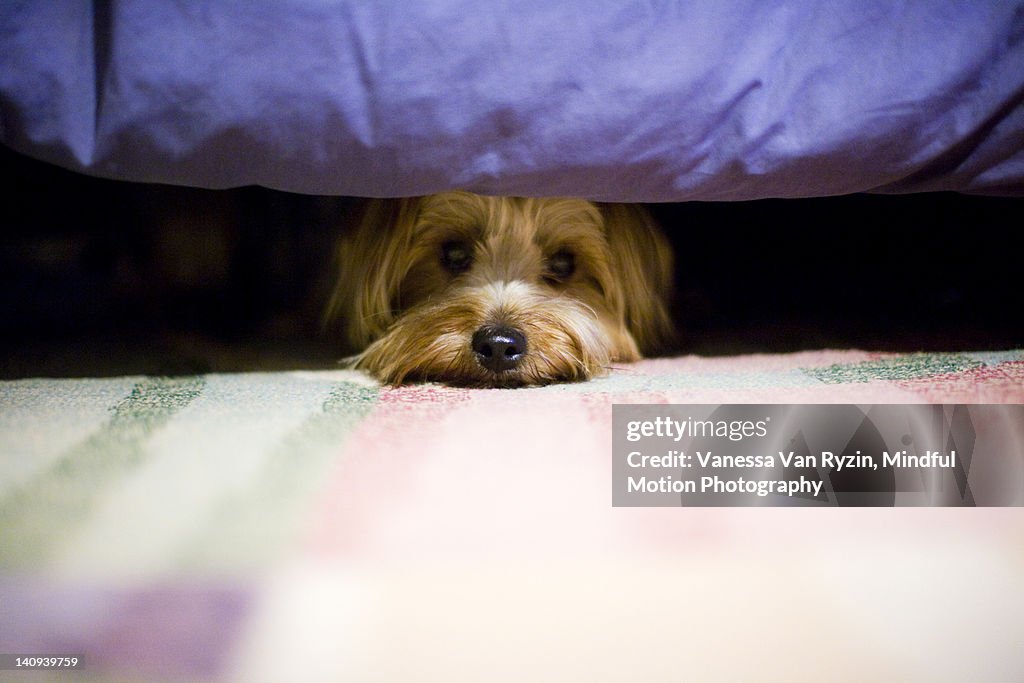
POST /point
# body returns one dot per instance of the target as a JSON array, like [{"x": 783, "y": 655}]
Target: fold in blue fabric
[{"x": 618, "y": 101}]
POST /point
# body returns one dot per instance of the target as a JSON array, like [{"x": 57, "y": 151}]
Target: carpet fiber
[{"x": 309, "y": 526}]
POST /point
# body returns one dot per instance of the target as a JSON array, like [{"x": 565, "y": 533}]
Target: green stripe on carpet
[
  {"x": 910, "y": 366},
  {"x": 40, "y": 513},
  {"x": 253, "y": 525}
]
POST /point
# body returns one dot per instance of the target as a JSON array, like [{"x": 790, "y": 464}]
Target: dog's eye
[
  {"x": 561, "y": 266},
  {"x": 456, "y": 256}
]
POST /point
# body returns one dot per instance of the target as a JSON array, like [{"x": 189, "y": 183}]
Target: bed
[{"x": 639, "y": 101}]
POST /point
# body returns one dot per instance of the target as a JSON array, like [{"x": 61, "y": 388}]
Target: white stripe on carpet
[
  {"x": 42, "y": 418},
  {"x": 212, "y": 448}
]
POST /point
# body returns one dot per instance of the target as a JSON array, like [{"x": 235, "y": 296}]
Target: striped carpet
[{"x": 314, "y": 526}]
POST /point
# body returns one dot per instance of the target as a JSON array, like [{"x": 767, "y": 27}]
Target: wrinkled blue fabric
[{"x": 624, "y": 101}]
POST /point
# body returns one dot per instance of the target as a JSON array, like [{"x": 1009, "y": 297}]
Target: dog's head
[{"x": 500, "y": 291}]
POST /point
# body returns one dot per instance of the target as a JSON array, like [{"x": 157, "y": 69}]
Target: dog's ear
[
  {"x": 371, "y": 265},
  {"x": 643, "y": 262}
]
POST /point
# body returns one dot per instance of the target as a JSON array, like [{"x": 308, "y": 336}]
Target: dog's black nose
[{"x": 499, "y": 348}]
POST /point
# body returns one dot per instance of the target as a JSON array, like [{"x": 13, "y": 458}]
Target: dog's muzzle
[{"x": 499, "y": 348}]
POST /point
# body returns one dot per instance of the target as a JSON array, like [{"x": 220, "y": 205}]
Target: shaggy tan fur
[{"x": 412, "y": 315}]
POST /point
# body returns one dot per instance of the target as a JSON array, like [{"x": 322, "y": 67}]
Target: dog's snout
[{"x": 499, "y": 348}]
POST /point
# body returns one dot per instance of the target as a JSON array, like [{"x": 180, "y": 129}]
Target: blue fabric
[{"x": 628, "y": 101}]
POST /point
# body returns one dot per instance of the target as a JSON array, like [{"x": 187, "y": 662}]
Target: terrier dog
[{"x": 501, "y": 291}]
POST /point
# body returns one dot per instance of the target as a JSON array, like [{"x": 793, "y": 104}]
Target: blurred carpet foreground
[{"x": 313, "y": 526}]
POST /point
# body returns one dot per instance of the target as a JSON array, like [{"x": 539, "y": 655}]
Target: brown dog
[{"x": 500, "y": 291}]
